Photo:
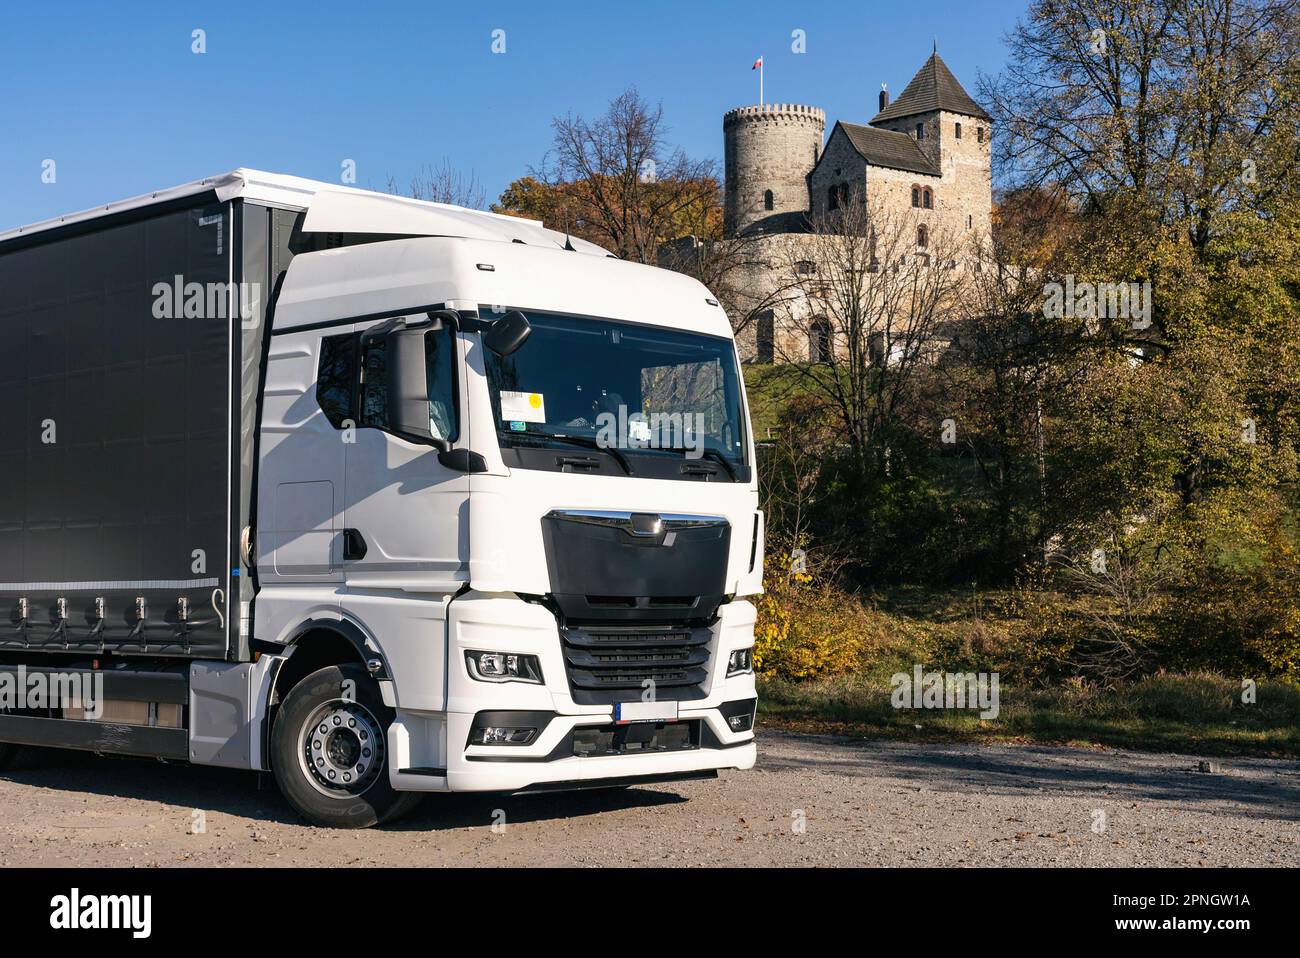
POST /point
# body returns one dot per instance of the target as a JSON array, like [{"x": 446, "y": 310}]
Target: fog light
[
  {"x": 738, "y": 723},
  {"x": 503, "y": 667},
  {"x": 740, "y": 661},
  {"x": 503, "y": 736}
]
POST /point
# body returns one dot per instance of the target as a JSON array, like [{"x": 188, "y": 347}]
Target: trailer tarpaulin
[{"x": 115, "y": 443}]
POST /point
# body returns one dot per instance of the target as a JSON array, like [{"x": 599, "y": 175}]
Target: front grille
[
  {"x": 610, "y": 664},
  {"x": 636, "y": 739}
]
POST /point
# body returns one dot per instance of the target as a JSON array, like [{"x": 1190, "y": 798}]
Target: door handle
[{"x": 354, "y": 545}]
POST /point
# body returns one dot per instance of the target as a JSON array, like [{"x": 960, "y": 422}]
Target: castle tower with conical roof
[{"x": 953, "y": 132}]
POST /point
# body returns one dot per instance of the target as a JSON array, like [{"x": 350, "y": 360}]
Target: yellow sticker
[{"x": 522, "y": 406}]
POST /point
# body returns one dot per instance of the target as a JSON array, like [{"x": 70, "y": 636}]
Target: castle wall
[
  {"x": 964, "y": 195},
  {"x": 967, "y": 172},
  {"x": 841, "y": 164}
]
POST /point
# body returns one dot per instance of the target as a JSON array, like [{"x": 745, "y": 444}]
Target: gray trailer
[{"x": 135, "y": 337}]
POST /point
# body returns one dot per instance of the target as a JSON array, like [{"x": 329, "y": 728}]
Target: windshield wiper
[
  {"x": 713, "y": 454},
  {"x": 577, "y": 441}
]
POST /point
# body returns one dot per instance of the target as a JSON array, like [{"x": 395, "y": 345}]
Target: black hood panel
[{"x": 623, "y": 566}]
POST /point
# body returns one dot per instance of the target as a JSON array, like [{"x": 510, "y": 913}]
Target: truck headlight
[
  {"x": 740, "y": 661},
  {"x": 503, "y": 667}
]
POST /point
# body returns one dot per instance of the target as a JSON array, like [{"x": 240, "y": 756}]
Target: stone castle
[{"x": 926, "y": 154}]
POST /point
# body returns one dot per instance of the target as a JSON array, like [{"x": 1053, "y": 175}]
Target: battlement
[{"x": 775, "y": 112}]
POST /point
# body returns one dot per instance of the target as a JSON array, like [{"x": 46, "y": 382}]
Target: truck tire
[{"x": 329, "y": 751}]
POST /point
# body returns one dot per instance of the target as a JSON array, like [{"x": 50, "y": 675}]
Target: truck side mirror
[
  {"x": 408, "y": 387},
  {"x": 508, "y": 333}
]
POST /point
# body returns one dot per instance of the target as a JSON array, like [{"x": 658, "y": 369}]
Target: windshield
[{"x": 639, "y": 390}]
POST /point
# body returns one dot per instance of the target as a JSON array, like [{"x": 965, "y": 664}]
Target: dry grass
[
  {"x": 1040, "y": 700},
  {"x": 1201, "y": 713}
]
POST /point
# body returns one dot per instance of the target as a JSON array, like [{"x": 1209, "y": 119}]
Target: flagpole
[{"x": 761, "y": 65}]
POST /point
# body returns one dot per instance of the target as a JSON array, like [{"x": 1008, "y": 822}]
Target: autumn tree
[
  {"x": 744, "y": 272},
  {"x": 444, "y": 183},
  {"x": 621, "y": 185},
  {"x": 1170, "y": 128},
  {"x": 1157, "y": 104},
  {"x": 875, "y": 286},
  {"x": 556, "y": 206},
  {"x": 1007, "y": 364}
]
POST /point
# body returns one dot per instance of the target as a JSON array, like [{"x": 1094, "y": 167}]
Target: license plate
[{"x": 626, "y": 712}]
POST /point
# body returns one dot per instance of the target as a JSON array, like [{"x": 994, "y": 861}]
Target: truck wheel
[
  {"x": 328, "y": 751},
  {"x": 8, "y": 753}
]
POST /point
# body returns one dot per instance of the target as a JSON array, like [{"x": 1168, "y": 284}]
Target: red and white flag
[{"x": 757, "y": 63}]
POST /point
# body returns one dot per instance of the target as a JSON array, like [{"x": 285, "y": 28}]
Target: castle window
[
  {"x": 969, "y": 220},
  {"x": 833, "y": 198},
  {"x": 927, "y": 198},
  {"x": 979, "y": 133},
  {"x": 959, "y": 131},
  {"x": 876, "y": 347},
  {"x": 765, "y": 338},
  {"x": 805, "y": 267},
  {"x": 920, "y": 131},
  {"x": 819, "y": 342},
  {"x": 916, "y": 196},
  {"x": 922, "y": 236},
  {"x": 768, "y": 200}
]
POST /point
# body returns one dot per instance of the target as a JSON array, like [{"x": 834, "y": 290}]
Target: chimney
[{"x": 884, "y": 96}]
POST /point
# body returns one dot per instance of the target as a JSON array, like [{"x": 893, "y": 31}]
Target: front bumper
[{"x": 430, "y": 752}]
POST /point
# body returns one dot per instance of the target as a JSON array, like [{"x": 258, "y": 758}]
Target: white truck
[{"x": 382, "y": 496}]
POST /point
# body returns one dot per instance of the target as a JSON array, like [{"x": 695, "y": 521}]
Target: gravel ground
[{"x": 812, "y": 800}]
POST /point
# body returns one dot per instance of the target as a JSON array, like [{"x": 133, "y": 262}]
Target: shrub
[{"x": 807, "y": 628}]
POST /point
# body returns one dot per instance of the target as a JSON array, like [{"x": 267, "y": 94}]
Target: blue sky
[{"x": 113, "y": 93}]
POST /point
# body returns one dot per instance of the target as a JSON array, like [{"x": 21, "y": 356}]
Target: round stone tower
[{"x": 769, "y": 151}]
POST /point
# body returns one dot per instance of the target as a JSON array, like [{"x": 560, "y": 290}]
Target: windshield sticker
[
  {"x": 517, "y": 426},
  {"x": 522, "y": 407}
]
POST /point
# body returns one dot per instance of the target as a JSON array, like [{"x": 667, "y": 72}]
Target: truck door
[
  {"x": 298, "y": 549},
  {"x": 406, "y": 520},
  {"x": 300, "y": 470}
]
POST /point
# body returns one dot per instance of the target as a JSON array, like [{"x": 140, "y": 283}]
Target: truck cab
[{"x": 546, "y": 541}]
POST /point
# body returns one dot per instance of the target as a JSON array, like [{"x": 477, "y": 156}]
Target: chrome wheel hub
[{"x": 342, "y": 749}]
